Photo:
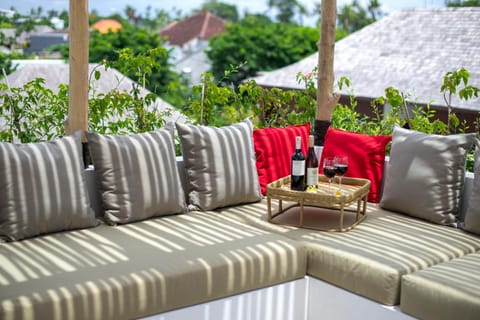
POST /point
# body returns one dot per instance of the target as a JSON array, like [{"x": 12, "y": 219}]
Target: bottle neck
[
  {"x": 311, "y": 142},
  {"x": 298, "y": 144}
]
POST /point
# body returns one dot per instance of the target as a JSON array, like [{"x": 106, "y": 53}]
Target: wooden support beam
[
  {"x": 326, "y": 101},
  {"x": 79, "y": 38}
]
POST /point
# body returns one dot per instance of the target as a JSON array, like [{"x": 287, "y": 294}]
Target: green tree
[
  {"x": 132, "y": 15},
  {"x": 33, "y": 112},
  {"x": 123, "y": 112},
  {"x": 26, "y": 26},
  {"x": 354, "y": 16},
  {"x": 107, "y": 47},
  {"x": 214, "y": 104},
  {"x": 257, "y": 45},
  {"x": 7, "y": 41},
  {"x": 157, "y": 21},
  {"x": 373, "y": 8},
  {"x": 36, "y": 13},
  {"x": 462, "y": 3},
  {"x": 451, "y": 86},
  {"x": 6, "y": 63},
  {"x": 64, "y": 15},
  {"x": 287, "y": 9},
  {"x": 223, "y": 10},
  {"x": 6, "y": 22},
  {"x": 52, "y": 13}
]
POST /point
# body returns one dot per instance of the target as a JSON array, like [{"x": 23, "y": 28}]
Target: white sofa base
[
  {"x": 303, "y": 299},
  {"x": 326, "y": 301},
  {"x": 286, "y": 301}
]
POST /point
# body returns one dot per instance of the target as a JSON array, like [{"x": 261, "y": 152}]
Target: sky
[{"x": 107, "y": 7}]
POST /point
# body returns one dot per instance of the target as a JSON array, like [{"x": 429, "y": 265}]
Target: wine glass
[
  {"x": 341, "y": 167},
  {"x": 329, "y": 171}
]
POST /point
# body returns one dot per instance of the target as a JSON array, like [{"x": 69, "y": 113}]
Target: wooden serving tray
[{"x": 326, "y": 197}]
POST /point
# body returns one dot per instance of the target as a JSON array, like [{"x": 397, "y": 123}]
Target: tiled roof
[
  {"x": 410, "y": 50},
  {"x": 202, "y": 25},
  {"x": 56, "y": 73},
  {"x": 106, "y": 25}
]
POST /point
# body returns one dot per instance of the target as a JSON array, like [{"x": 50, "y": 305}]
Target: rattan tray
[{"x": 352, "y": 190}]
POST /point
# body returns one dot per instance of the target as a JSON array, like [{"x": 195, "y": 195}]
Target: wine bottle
[
  {"x": 297, "y": 178},
  {"x": 311, "y": 166}
]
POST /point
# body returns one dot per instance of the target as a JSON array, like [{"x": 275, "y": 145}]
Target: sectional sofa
[{"x": 150, "y": 235}]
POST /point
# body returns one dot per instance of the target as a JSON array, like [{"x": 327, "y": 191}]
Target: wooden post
[
  {"x": 326, "y": 101},
  {"x": 79, "y": 38}
]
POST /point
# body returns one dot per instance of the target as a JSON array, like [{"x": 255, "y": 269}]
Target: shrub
[{"x": 35, "y": 113}]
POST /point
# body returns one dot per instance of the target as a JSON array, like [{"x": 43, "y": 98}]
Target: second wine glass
[
  {"x": 341, "y": 167},
  {"x": 329, "y": 171}
]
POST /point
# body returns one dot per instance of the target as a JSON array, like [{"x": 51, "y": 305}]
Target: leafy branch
[{"x": 450, "y": 86}]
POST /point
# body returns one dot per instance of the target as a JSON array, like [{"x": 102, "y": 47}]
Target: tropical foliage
[
  {"x": 256, "y": 44},
  {"x": 352, "y": 17},
  {"x": 222, "y": 105},
  {"x": 35, "y": 113},
  {"x": 6, "y": 64},
  {"x": 286, "y": 10},
  {"x": 220, "y": 9},
  {"x": 32, "y": 112},
  {"x": 26, "y": 113},
  {"x": 462, "y": 3},
  {"x": 107, "y": 48}
]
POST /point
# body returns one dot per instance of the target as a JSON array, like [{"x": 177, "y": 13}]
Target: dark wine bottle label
[{"x": 298, "y": 167}]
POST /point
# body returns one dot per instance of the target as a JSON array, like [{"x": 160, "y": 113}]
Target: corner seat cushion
[
  {"x": 370, "y": 259},
  {"x": 142, "y": 268},
  {"x": 448, "y": 290}
]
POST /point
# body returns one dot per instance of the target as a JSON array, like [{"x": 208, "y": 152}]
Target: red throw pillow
[
  {"x": 274, "y": 148},
  {"x": 366, "y": 156}
]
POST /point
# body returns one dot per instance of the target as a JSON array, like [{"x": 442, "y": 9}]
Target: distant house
[
  {"x": 7, "y": 13},
  {"x": 40, "y": 42},
  {"x": 188, "y": 40},
  {"x": 410, "y": 50},
  {"x": 35, "y": 42},
  {"x": 12, "y": 42},
  {"x": 43, "y": 38},
  {"x": 56, "y": 72}
]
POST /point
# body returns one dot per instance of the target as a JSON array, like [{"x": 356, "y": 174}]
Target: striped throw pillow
[
  {"x": 220, "y": 165},
  {"x": 137, "y": 175},
  {"x": 42, "y": 188},
  {"x": 472, "y": 216}
]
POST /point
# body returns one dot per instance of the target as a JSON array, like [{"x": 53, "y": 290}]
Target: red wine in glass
[
  {"x": 341, "y": 169},
  {"x": 341, "y": 166},
  {"x": 329, "y": 171}
]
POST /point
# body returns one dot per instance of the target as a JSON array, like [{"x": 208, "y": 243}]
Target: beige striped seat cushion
[
  {"x": 370, "y": 259},
  {"x": 448, "y": 290},
  {"x": 142, "y": 268}
]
